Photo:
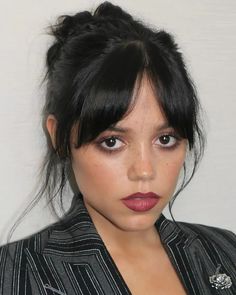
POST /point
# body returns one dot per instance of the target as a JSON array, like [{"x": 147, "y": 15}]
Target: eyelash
[
  {"x": 173, "y": 135},
  {"x": 105, "y": 149}
]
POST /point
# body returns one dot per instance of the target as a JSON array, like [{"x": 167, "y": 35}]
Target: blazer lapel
[
  {"x": 75, "y": 260},
  {"x": 194, "y": 257}
]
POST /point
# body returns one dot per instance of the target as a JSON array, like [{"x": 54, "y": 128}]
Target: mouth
[{"x": 141, "y": 202}]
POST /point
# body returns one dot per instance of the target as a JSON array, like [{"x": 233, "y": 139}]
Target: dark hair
[{"x": 92, "y": 68}]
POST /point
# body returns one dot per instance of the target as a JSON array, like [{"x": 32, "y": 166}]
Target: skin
[{"x": 147, "y": 157}]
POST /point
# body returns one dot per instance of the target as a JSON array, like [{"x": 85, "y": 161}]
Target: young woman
[{"x": 122, "y": 122}]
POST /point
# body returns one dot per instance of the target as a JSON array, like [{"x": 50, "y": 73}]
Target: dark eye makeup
[{"x": 113, "y": 143}]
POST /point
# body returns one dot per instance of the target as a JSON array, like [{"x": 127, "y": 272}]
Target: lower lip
[{"x": 140, "y": 204}]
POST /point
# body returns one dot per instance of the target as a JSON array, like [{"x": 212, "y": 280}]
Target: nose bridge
[{"x": 142, "y": 163}]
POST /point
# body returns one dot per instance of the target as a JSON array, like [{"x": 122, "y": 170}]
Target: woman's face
[{"x": 142, "y": 154}]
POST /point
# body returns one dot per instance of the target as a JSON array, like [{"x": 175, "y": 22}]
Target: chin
[{"x": 138, "y": 223}]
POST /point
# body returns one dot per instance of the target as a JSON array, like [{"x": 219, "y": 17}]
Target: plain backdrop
[{"x": 206, "y": 32}]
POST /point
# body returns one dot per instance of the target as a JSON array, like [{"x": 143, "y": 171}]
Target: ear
[{"x": 51, "y": 125}]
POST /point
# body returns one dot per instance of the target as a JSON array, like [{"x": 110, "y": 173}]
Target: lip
[{"x": 141, "y": 202}]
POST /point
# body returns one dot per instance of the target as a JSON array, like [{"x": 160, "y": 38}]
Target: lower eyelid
[
  {"x": 102, "y": 140},
  {"x": 169, "y": 145}
]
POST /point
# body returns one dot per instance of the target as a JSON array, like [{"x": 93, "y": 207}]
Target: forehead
[{"x": 145, "y": 108}]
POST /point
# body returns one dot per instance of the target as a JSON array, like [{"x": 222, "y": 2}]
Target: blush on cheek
[
  {"x": 171, "y": 174},
  {"x": 90, "y": 174}
]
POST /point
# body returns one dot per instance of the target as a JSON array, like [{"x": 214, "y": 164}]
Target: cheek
[
  {"x": 171, "y": 171},
  {"x": 94, "y": 175}
]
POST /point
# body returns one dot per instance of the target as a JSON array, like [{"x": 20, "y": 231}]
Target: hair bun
[
  {"x": 67, "y": 25},
  {"x": 107, "y": 9}
]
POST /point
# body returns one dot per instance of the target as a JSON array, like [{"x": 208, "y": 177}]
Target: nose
[{"x": 142, "y": 166}]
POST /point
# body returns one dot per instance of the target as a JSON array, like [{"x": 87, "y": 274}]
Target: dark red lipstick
[{"x": 141, "y": 202}]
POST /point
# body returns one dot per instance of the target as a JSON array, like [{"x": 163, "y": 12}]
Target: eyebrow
[{"x": 124, "y": 130}]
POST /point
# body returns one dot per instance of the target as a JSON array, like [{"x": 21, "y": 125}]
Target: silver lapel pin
[{"x": 220, "y": 280}]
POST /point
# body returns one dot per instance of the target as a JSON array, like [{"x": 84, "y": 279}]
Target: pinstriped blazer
[{"x": 70, "y": 258}]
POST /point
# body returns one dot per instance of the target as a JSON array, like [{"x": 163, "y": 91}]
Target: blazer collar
[{"x": 75, "y": 237}]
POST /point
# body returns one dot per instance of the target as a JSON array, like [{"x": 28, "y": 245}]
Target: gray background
[{"x": 206, "y": 32}]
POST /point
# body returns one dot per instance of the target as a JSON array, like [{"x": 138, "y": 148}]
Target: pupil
[
  {"x": 164, "y": 139},
  {"x": 111, "y": 142}
]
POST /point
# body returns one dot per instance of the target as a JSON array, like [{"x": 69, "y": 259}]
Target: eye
[
  {"x": 167, "y": 141},
  {"x": 111, "y": 143}
]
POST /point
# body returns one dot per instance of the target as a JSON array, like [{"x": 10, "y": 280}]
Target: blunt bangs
[
  {"x": 110, "y": 91},
  {"x": 175, "y": 92}
]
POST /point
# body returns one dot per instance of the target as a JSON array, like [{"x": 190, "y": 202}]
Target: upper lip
[{"x": 141, "y": 195}]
